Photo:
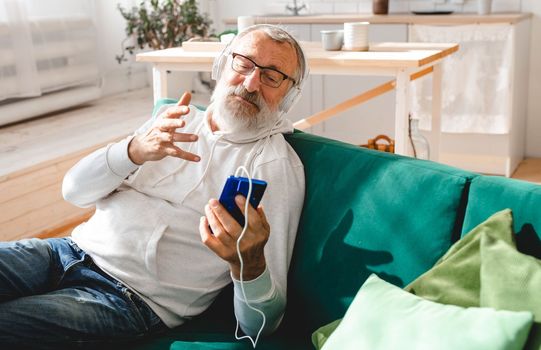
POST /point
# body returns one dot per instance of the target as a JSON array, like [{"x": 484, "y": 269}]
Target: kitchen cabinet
[{"x": 484, "y": 94}]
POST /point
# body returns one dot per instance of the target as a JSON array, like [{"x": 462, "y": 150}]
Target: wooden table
[{"x": 403, "y": 61}]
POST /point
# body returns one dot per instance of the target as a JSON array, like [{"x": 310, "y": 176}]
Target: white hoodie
[{"x": 145, "y": 229}]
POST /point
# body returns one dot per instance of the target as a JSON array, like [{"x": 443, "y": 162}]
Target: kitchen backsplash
[{"x": 365, "y": 6}]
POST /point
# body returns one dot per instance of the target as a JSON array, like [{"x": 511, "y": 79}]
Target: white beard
[{"x": 232, "y": 115}]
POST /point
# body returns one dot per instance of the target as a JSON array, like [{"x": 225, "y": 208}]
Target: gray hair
[{"x": 280, "y": 35}]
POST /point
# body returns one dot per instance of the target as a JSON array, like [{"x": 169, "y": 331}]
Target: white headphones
[{"x": 294, "y": 92}]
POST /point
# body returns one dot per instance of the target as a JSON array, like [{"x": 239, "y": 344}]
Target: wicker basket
[{"x": 381, "y": 143}]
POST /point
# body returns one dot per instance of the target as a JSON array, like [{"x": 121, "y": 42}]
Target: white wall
[
  {"x": 128, "y": 75},
  {"x": 110, "y": 33},
  {"x": 533, "y": 124}
]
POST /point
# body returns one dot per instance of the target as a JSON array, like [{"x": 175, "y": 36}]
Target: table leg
[
  {"x": 436, "y": 113},
  {"x": 159, "y": 78},
  {"x": 402, "y": 110}
]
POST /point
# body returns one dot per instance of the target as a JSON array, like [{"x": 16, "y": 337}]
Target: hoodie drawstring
[{"x": 206, "y": 168}]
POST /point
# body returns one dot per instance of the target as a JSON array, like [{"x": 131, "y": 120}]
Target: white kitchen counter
[{"x": 395, "y": 18}]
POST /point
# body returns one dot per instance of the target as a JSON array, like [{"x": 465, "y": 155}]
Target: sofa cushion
[
  {"x": 365, "y": 211},
  {"x": 455, "y": 278},
  {"x": 383, "y": 316},
  {"x": 489, "y": 194},
  {"x": 511, "y": 280},
  {"x": 227, "y": 342}
]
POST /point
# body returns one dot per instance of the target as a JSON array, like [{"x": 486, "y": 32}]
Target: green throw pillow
[
  {"x": 455, "y": 278},
  {"x": 511, "y": 280},
  {"x": 383, "y": 316},
  {"x": 320, "y": 336}
]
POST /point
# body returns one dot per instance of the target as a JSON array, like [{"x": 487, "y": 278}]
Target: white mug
[
  {"x": 332, "y": 40},
  {"x": 484, "y": 7}
]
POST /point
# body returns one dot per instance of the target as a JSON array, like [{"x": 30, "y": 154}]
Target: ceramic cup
[
  {"x": 332, "y": 40},
  {"x": 484, "y": 7},
  {"x": 356, "y": 36},
  {"x": 244, "y": 22}
]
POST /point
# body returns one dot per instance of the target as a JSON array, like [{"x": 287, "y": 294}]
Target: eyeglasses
[{"x": 269, "y": 76}]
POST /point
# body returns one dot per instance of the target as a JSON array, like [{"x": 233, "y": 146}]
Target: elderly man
[{"x": 160, "y": 247}]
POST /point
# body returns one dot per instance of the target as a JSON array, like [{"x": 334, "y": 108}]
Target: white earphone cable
[{"x": 253, "y": 341}]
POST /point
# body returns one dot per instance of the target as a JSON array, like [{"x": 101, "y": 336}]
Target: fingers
[
  {"x": 206, "y": 235},
  {"x": 175, "y": 112},
  {"x": 184, "y": 99},
  {"x": 174, "y": 151},
  {"x": 182, "y": 137},
  {"x": 257, "y": 220},
  {"x": 170, "y": 124},
  {"x": 253, "y": 215},
  {"x": 219, "y": 231},
  {"x": 263, "y": 217},
  {"x": 226, "y": 220}
]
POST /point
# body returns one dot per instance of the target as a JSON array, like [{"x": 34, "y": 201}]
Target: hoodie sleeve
[
  {"x": 101, "y": 172},
  {"x": 282, "y": 203}
]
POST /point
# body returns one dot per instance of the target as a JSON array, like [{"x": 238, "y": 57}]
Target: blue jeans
[{"x": 52, "y": 295}]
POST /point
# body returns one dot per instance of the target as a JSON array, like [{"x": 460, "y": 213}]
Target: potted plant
[{"x": 161, "y": 24}]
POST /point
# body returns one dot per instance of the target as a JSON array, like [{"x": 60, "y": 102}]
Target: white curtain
[
  {"x": 476, "y": 79},
  {"x": 46, "y": 45}
]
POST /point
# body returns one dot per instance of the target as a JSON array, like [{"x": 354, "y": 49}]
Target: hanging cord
[
  {"x": 206, "y": 168},
  {"x": 266, "y": 142},
  {"x": 249, "y": 176},
  {"x": 246, "y": 204},
  {"x": 410, "y": 137}
]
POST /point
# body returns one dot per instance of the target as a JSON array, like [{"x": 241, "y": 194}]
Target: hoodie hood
[{"x": 282, "y": 126}]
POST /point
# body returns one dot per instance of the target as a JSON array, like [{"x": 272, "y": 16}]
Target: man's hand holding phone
[
  {"x": 222, "y": 240},
  {"x": 158, "y": 141}
]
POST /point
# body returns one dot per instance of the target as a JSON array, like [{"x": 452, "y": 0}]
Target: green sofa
[{"x": 365, "y": 212}]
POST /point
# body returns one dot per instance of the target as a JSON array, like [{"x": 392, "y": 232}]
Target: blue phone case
[{"x": 239, "y": 185}]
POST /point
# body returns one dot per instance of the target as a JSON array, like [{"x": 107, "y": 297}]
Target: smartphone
[{"x": 239, "y": 185}]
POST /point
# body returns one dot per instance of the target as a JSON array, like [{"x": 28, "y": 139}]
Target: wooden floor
[
  {"x": 529, "y": 170},
  {"x": 32, "y": 142},
  {"x": 34, "y": 156}
]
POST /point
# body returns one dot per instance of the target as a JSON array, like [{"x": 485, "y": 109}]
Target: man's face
[{"x": 243, "y": 101}]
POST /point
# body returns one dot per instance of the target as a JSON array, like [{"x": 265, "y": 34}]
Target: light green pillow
[
  {"x": 455, "y": 278},
  {"x": 320, "y": 336},
  {"x": 383, "y": 316},
  {"x": 511, "y": 280}
]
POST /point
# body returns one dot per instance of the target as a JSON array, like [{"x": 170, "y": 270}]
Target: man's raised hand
[{"x": 158, "y": 141}]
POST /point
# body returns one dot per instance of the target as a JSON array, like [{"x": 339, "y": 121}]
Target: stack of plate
[{"x": 356, "y": 36}]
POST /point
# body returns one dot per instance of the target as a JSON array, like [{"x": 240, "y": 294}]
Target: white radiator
[{"x": 65, "y": 72}]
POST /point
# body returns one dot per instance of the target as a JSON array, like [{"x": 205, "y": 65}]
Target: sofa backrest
[
  {"x": 489, "y": 194},
  {"x": 366, "y": 211}
]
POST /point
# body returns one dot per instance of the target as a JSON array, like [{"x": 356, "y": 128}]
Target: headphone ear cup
[
  {"x": 218, "y": 66},
  {"x": 290, "y": 99},
  {"x": 294, "y": 93},
  {"x": 219, "y": 63}
]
